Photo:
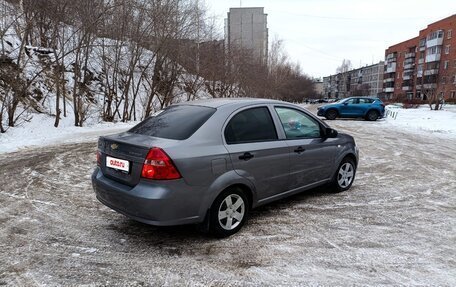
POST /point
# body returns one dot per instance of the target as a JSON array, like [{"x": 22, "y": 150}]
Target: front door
[{"x": 311, "y": 156}]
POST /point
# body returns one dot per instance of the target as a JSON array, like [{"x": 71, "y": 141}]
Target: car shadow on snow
[{"x": 163, "y": 237}]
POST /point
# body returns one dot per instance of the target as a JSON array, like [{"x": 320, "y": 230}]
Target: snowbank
[
  {"x": 422, "y": 120},
  {"x": 40, "y": 132}
]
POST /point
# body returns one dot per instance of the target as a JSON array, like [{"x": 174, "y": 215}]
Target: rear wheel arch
[
  {"x": 246, "y": 190},
  {"x": 240, "y": 186}
]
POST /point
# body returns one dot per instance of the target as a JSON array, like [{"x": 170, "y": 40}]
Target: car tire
[
  {"x": 331, "y": 114},
  {"x": 345, "y": 175},
  {"x": 372, "y": 115},
  {"x": 228, "y": 212}
]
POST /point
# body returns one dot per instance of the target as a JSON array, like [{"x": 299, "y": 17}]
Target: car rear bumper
[{"x": 151, "y": 202}]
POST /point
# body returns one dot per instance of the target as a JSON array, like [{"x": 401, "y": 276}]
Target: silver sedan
[{"x": 211, "y": 161}]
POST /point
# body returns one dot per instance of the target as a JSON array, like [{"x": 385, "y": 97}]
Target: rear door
[
  {"x": 256, "y": 152},
  {"x": 311, "y": 156},
  {"x": 365, "y": 104}
]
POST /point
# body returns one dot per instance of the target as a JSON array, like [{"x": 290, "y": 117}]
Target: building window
[
  {"x": 453, "y": 94},
  {"x": 435, "y": 50},
  {"x": 422, "y": 42},
  {"x": 444, "y": 80},
  {"x": 435, "y": 34},
  {"x": 449, "y": 33},
  {"x": 445, "y": 65},
  {"x": 447, "y": 49}
]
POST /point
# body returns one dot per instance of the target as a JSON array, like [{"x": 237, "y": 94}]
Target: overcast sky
[{"x": 319, "y": 34}]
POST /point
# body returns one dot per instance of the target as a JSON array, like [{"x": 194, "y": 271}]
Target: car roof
[
  {"x": 216, "y": 103},
  {"x": 366, "y": 97}
]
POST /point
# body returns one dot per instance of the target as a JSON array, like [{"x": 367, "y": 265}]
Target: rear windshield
[{"x": 176, "y": 122}]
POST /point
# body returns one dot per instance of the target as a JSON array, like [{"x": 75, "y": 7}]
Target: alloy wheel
[
  {"x": 345, "y": 175},
  {"x": 231, "y": 212}
]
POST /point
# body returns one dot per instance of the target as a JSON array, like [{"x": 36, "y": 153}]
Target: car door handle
[
  {"x": 300, "y": 150},
  {"x": 246, "y": 156}
]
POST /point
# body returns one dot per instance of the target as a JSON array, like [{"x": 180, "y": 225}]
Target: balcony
[
  {"x": 387, "y": 80},
  {"x": 410, "y": 55},
  {"x": 388, "y": 90},
  {"x": 409, "y": 66},
  {"x": 418, "y": 87},
  {"x": 422, "y": 48},
  {"x": 434, "y": 42},
  {"x": 391, "y": 58},
  {"x": 433, "y": 58},
  {"x": 421, "y": 61},
  {"x": 407, "y": 76},
  {"x": 431, "y": 72},
  {"x": 430, "y": 86},
  {"x": 407, "y": 88},
  {"x": 391, "y": 68}
]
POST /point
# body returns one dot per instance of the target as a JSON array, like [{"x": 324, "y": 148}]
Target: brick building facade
[{"x": 424, "y": 65}]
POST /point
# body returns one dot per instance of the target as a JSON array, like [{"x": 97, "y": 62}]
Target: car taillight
[
  {"x": 98, "y": 158},
  {"x": 158, "y": 165}
]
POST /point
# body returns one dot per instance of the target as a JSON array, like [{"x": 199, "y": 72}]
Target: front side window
[
  {"x": 252, "y": 125},
  {"x": 297, "y": 124}
]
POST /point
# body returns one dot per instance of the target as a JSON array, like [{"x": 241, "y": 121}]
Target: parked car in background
[
  {"x": 212, "y": 161},
  {"x": 370, "y": 109}
]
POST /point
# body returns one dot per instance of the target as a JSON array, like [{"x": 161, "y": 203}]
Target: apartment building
[
  {"x": 247, "y": 28},
  {"x": 364, "y": 81},
  {"x": 424, "y": 65}
]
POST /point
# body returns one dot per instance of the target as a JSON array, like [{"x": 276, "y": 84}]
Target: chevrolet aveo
[{"x": 212, "y": 161}]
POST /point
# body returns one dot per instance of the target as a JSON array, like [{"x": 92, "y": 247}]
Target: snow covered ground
[
  {"x": 41, "y": 132},
  {"x": 395, "y": 227}
]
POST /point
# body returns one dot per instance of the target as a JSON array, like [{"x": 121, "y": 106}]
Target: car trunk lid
[{"x": 123, "y": 155}]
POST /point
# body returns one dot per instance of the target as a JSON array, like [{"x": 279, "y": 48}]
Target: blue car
[{"x": 370, "y": 109}]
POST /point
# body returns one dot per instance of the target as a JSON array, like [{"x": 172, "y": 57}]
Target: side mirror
[{"x": 330, "y": 133}]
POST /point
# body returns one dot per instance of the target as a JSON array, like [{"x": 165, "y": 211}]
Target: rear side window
[
  {"x": 252, "y": 125},
  {"x": 366, "y": 101},
  {"x": 176, "y": 122}
]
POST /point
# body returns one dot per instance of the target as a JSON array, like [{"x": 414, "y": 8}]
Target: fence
[{"x": 392, "y": 111}]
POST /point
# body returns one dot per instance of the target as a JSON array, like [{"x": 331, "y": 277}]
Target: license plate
[{"x": 116, "y": 163}]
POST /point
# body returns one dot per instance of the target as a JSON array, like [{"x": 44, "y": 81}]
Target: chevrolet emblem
[{"x": 114, "y": 146}]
